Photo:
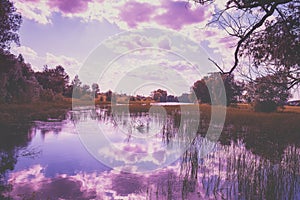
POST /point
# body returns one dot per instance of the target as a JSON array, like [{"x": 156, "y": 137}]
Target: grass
[
  {"x": 282, "y": 122},
  {"x": 22, "y": 113}
]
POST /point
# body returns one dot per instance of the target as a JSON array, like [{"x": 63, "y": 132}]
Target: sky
[{"x": 68, "y": 32}]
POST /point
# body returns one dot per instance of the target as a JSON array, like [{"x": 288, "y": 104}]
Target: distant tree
[
  {"x": 10, "y": 22},
  {"x": 214, "y": 83},
  {"x": 201, "y": 91},
  {"x": 172, "y": 98},
  {"x": 101, "y": 98},
  {"x": 159, "y": 95},
  {"x": 85, "y": 90},
  {"x": 95, "y": 89},
  {"x": 267, "y": 97},
  {"x": 108, "y": 95},
  {"x": 132, "y": 98},
  {"x": 139, "y": 97},
  {"x": 54, "y": 79},
  {"x": 76, "y": 82},
  {"x": 184, "y": 98},
  {"x": 233, "y": 88},
  {"x": 75, "y": 87}
]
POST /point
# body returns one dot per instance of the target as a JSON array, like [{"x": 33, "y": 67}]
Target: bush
[
  {"x": 47, "y": 95},
  {"x": 264, "y": 106}
]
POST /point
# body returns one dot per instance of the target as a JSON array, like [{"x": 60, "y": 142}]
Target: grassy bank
[
  {"x": 283, "y": 121},
  {"x": 22, "y": 113}
]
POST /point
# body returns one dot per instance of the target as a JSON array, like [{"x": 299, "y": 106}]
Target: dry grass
[
  {"x": 294, "y": 109},
  {"x": 22, "y": 113},
  {"x": 281, "y": 122}
]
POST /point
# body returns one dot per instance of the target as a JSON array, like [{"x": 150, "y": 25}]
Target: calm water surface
[{"x": 49, "y": 161}]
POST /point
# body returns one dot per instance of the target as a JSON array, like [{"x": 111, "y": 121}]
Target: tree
[
  {"x": 267, "y": 97},
  {"x": 10, "y": 22},
  {"x": 17, "y": 81},
  {"x": 209, "y": 89},
  {"x": 172, "y": 98},
  {"x": 54, "y": 79},
  {"x": 201, "y": 90},
  {"x": 108, "y": 95},
  {"x": 159, "y": 95},
  {"x": 267, "y": 31},
  {"x": 185, "y": 98},
  {"x": 233, "y": 88},
  {"x": 95, "y": 89},
  {"x": 75, "y": 88}
]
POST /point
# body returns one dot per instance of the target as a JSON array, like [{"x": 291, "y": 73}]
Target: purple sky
[{"x": 69, "y": 30}]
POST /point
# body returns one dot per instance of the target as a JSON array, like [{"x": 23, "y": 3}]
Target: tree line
[
  {"x": 262, "y": 95},
  {"x": 20, "y": 84}
]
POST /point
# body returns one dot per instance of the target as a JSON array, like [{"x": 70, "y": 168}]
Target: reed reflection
[{"x": 243, "y": 164}]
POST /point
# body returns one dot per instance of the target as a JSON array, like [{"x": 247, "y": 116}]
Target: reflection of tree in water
[
  {"x": 45, "y": 128},
  {"x": 10, "y": 143}
]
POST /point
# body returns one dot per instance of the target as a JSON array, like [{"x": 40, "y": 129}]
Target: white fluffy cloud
[
  {"x": 34, "y": 10},
  {"x": 188, "y": 19},
  {"x": 27, "y": 52},
  {"x": 71, "y": 65},
  {"x": 37, "y": 61}
]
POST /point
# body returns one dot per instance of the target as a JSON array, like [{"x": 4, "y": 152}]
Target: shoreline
[{"x": 284, "y": 121}]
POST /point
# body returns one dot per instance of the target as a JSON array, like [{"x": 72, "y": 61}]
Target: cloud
[
  {"x": 178, "y": 14},
  {"x": 71, "y": 65},
  {"x": 181, "y": 16},
  {"x": 111, "y": 184},
  {"x": 33, "y": 181},
  {"x": 27, "y": 52},
  {"x": 165, "y": 44},
  {"x": 36, "y": 10},
  {"x": 31, "y": 1},
  {"x": 171, "y": 14},
  {"x": 134, "y": 12},
  {"x": 67, "y": 6},
  {"x": 30, "y": 56}
]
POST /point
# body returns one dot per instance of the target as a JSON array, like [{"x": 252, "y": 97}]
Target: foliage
[
  {"x": 209, "y": 89},
  {"x": 267, "y": 31},
  {"x": 17, "y": 81},
  {"x": 201, "y": 90},
  {"x": 95, "y": 89},
  {"x": 50, "y": 96},
  {"x": 171, "y": 98},
  {"x": 54, "y": 79},
  {"x": 109, "y": 95},
  {"x": 10, "y": 22},
  {"x": 185, "y": 98},
  {"x": 266, "y": 96},
  {"x": 159, "y": 95},
  {"x": 74, "y": 90},
  {"x": 85, "y": 90}
]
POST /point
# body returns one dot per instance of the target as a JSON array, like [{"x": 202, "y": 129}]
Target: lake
[{"x": 101, "y": 154}]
